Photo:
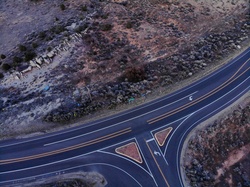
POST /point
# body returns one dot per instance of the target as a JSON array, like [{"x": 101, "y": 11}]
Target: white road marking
[
  {"x": 156, "y": 143},
  {"x": 144, "y": 106},
  {"x": 191, "y": 98},
  {"x": 174, "y": 132},
  {"x": 150, "y": 140},
  {"x": 157, "y": 153},
  {"x": 117, "y": 155},
  {"x": 33, "y": 177},
  {"x": 199, "y": 121},
  {"x": 202, "y": 109},
  {"x": 146, "y": 161},
  {"x": 118, "y": 123}
]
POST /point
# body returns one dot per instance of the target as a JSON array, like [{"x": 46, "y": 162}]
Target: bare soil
[
  {"x": 216, "y": 153},
  {"x": 126, "y": 51}
]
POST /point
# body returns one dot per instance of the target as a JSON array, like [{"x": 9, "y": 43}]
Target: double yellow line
[
  {"x": 81, "y": 145},
  {"x": 230, "y": 80},
  {"x": 158, "y": 166}
]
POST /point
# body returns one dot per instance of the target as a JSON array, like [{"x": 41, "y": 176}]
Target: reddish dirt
[
  {"x": 130, "y": 150},
  {"x": 161, "y": 136}
]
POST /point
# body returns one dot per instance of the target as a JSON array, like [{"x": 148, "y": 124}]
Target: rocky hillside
[{"x": 62, "y": 60}]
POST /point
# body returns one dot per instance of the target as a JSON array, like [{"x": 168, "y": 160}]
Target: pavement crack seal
[{"x": 81, "y": 145}]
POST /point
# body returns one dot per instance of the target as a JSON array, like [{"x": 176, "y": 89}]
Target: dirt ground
[
  {"x": 103, "y": 54},
  {"x": 227, "y": 156}
]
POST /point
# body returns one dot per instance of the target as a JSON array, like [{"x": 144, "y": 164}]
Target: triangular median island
[
  {"x": 162, "y": 135},
  {"x": 131, "y": 151}
]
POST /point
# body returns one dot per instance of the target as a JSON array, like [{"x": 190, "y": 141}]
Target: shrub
[
  {"x": 62, "y": 6},
  {"x": 6, "y": 67},
  {"x": 34, "y": 45},
  {"x": 129, "y": 25},
  {"x": 29, "y": 55},
  {"x": 49, "y": 49},
  {"x": 57, "y": 29},
  {"x": 17, "y": 60},
  {"x": 22, "y": 48},
  {"x": 3, "y": 56},
  {"x": 42, "y": 35},
  {"x": 135, "y": 74},
  {"x": 84, "y": 8},
  {"x": 106, "y": 27}
]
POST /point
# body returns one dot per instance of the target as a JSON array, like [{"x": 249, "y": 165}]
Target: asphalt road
[{"x": 92, "y": 146}]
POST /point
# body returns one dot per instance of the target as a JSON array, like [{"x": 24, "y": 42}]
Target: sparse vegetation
[{"x": 212, "y": 152}]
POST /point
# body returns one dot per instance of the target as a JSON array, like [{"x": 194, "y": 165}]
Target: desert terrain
[
  {"x": 216, "y": 153},
  {"x": 66, "y": 62}
]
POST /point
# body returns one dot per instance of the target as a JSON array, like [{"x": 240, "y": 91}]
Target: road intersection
[{"x": 91, "y": 147}]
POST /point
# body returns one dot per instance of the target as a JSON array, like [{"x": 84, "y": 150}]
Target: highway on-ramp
[{"x": 94, "y": 146}]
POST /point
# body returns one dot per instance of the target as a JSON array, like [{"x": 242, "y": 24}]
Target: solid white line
[
  {"x": 119, "y": 122},
  {"x": 105, "y": 127},
  {"x": 58, "y": 171},
  {"x": 150, "y": 140},
  {"x": 175, "y": 131},
  {"x": 159, "y": 149},
  {"x": 144, "y": 106},
  {"x": 205, "y": 107},
  {"x": 162, "y": 127},
  {"x": 125, "y": 158},
  {"x": 146, "y": 161},
  {"x": 199, "y": 121}
]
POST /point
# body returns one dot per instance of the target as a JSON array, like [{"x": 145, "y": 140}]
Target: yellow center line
[
  {"x": 157, "y": 163},
  {"x": 158, "y": 118},
  {"x": 97, "y": 140}
]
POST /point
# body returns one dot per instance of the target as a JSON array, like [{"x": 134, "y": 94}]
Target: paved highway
[{"x": 93, "y": 146}]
